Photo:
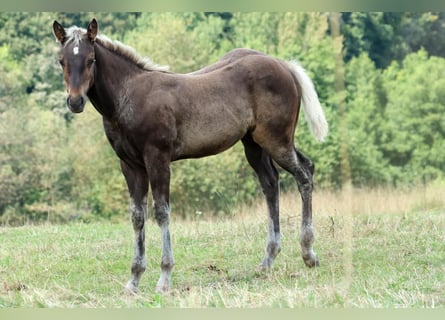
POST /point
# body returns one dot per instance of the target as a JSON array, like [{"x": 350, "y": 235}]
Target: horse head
[{"x": 77, "y": 59}]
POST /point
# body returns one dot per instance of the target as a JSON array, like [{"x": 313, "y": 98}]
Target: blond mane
[{"x": 76, "y": 34}]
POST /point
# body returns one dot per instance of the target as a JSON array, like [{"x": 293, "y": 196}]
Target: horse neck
[{"x": 112, "y": 71}]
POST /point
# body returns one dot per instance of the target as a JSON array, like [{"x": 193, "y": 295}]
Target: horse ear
[
  {"x": 92, "y": 30},
  {"x": 59, "y": 32}
]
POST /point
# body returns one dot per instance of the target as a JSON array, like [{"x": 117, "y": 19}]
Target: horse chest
[{"x": 123, "y": 145}]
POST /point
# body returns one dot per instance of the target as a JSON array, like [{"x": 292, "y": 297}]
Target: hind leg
[
  {"x": 302, "y": 169},
  {"x": 268, "y": 177}
]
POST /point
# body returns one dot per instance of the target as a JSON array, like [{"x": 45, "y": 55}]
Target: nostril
[{"x": 76, "y": 103}]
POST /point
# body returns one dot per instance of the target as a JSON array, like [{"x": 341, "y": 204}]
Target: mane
[{"x": 76, "y": 34}]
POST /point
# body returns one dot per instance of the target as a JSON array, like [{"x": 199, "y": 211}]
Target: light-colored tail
[{"x": 312, "y": 109}]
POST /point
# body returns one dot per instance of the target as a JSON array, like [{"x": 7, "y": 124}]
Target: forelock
[{"x": 75, "y": 34}]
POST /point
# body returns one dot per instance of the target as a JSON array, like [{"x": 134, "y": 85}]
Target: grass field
[{"x": 377, "y": 248}]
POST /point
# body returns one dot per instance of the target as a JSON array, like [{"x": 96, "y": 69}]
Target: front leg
[
  {"x": 138, "y": 188},
  {"x": 158, "y": 165},
  {"x": 162, "y": 214}
]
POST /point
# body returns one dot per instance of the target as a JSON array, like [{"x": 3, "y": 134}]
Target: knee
[
  {"x": 162, "y": 213},
  {"x": 137, "y": 216}
]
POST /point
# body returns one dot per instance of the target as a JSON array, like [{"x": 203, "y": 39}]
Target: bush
[{"x": 213, "y": 184}]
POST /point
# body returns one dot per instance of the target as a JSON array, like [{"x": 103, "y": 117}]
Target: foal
[{"x": 152, "y": 117}]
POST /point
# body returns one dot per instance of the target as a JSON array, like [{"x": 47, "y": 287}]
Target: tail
[{"x": 312, "y": 109}]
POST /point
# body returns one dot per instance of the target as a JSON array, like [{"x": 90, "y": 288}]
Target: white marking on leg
[
  {"x": 273, "y": 247},
  {"x": 306, "y": 241},
  {"x": 139, "y": 262},
  {"x": 167, "y": 261}
]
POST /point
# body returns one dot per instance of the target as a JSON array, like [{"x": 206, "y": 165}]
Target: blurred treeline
[{"x": 380, "y": 78}]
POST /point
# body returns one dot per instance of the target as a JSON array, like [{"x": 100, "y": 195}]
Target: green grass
[{"x": 386, "y": 258}]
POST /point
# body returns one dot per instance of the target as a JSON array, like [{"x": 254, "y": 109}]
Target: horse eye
[
  {"x": 62, "y": 63},
  {"x": 90, "y": 62}
]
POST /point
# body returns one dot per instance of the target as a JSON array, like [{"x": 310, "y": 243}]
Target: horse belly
[{"x": 212, "y": 134}]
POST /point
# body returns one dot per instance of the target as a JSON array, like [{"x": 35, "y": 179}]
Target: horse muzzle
[{"x": 76, "y": 104}]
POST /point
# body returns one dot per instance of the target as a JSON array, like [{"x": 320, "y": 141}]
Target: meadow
[{"x": 377, "y": 248}]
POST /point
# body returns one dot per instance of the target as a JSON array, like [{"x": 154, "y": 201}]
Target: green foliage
[
  {"x": 55, "y": 166},
  {"x": 33, "y": 165},
  {"x": 388, "y": 36},
  {"x": 185, "y": 42},
  {"x": 364, "y": 120},
  {"x": 372, "y": 32},
  {"x": 415, "y": 128},
  {"x": 256, "y": 30},
  {"x": 213, "y": 184},
  {"x": 96, "y": 181},
  {"x": 13, "y": 79}
]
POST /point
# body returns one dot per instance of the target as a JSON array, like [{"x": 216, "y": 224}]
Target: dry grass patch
[{"x": 377, "y": 248}]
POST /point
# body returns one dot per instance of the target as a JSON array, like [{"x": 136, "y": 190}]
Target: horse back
[{"x": 206, "y": 112}]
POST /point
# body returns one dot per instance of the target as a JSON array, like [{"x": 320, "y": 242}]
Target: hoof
[
  {"x": 131, "y": 289},
  {"x": 263, "y": 268},
  {"x": 161, "y": 289},
  {"x": 266, "y": 264},
  {"x": 163, "y": 285}
]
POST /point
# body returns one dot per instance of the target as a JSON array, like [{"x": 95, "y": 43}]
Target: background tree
[
  {"x": 185, "y": 42},
  {"x": 388, "y": 36},
  {"x": 365, "y": 121},
  {"x": 414, "y": 137},
  {"x": 58, "y": 166}
]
